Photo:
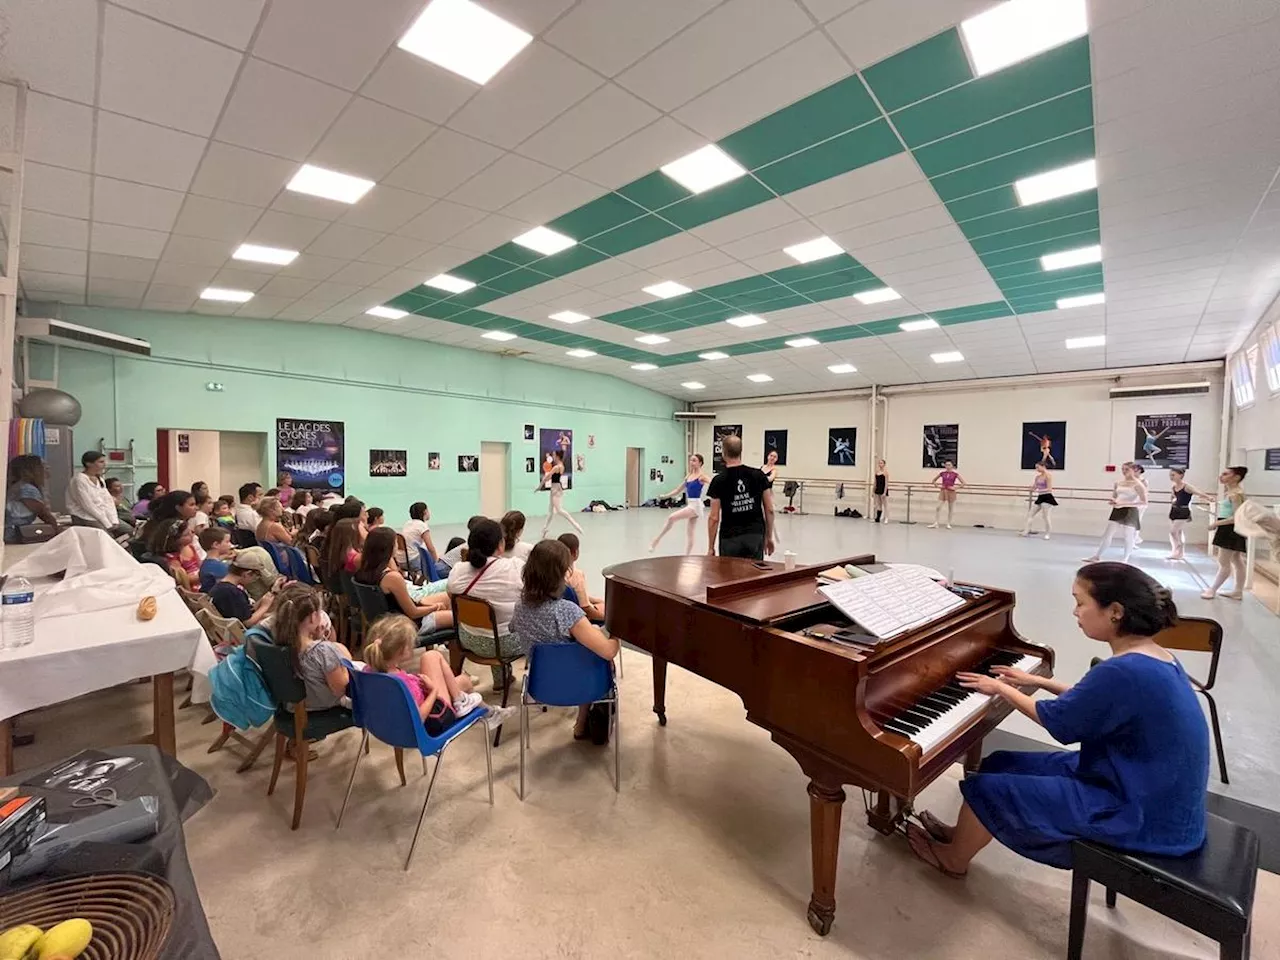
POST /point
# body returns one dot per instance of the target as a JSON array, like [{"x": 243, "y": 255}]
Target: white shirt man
[
  {"x": 88, "y": 501},
  {"x": 247, "y": 517}
]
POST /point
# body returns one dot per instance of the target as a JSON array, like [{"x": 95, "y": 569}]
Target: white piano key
[{"x": 964, "y": 711}]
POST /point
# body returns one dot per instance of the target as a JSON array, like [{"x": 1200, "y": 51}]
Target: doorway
[
  {"x": 224, "y": 459},
  {"x": 495, "y": 478},
  {"x": 635, "y": 476}
]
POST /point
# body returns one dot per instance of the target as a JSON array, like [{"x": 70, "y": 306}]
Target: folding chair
[
  {"x": 1203, "y": 636},
  {"x": 430, "y": 572},
  {"x": 479, "y": 618}
]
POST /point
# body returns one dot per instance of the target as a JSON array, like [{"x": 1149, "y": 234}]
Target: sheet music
[{"x": 889, "y": 603}]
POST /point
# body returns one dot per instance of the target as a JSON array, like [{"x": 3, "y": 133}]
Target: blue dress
[{"x": 1138, "y": 782}]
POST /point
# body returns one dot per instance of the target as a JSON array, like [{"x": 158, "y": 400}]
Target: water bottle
[{"x": 17, "y": 613}]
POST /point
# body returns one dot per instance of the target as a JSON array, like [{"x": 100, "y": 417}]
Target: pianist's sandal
[
  {"x": 934, "y": 827},
  {"x": 921, "y": 845}
]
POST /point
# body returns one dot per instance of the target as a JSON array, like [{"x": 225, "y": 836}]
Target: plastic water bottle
[{"x": 17, "y": 613}]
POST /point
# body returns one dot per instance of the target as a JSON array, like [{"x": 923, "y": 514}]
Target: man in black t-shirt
[{"x": 741, "y": 507}]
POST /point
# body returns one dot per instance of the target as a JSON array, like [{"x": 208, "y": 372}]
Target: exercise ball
[{"x": 54, "y": 407}]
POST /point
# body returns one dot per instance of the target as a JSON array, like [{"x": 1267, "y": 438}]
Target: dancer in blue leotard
[{"x": 694, "y": 487}]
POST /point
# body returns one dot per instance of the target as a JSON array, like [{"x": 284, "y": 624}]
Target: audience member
[
  {"x": 430, "y": 611},
  {"x": 146, "y": 493},
  {"x": 174, "y": 505},
  {"x": 215, "y": 541},
  {"x": 284, "y": 488},
  {"x": 25, "y": 501},
  {"x": 377, "y": 517},
  {"x": 489, "y": 575},
  {"x": 301, "y": 624},
  {"x": 258, "y": 560},
  {"x": 247, "y": 511},
  {"x": 342, "y": 552},
  {"x": 313, "y": 528},
  {"x": 223, "y": 514},
  {"x": 576, "y": 582},
  {"x": 87, "y": 499},
  {"x": 174, "y": 542},
  {"x": 453, "y": 554},
  {"x": 115, "y": 487},
  {"x": 441, "y": 697},
  {"x": 270, "y": 529},
  {"x": 200, "y": 490},
  {"x": 231, "y": 599},
  {"x": 301, "y": 503},
  {"x": 204, "y": 507},
  {"x": 512, "y": 527},
  {"x": 417, "y": 533}
]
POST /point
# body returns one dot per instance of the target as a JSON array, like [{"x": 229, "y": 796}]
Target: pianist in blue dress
[{"x": 1137, "y": 782}]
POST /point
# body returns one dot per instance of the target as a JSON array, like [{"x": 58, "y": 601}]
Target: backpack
[{"x": 239, "y": 696}]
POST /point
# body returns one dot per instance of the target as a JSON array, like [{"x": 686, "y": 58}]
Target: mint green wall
[{"x": 391, "y": 392}]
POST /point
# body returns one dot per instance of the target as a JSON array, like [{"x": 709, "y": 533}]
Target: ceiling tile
[
  {"x": 369, "y": 139},
  {"x": 134, "y": 205},
  {"x": 263, "y": 307},
  {"x": 191, "y": 251},
  {"x": 54, "y": 52},
  {"x": 443, "y": 163},
  {"x": 877, "y": 28},
  {"x": 490, "y": 232},
  {"x": 508, "y": 179},
  {"x": 59, "y": 132},
  {"x": 279, "y": 112},
  {"x": 52, "y": 259},
  {"x": 362, "y": 274},
  {"x": 231, "y": 22},
  {"x": 564, "y": 193},
  {"x": 276, "y": 229},
  {"x": 55, "y": 190},
  {"x": 640, "y": 153},
  {"x": 106, "y": 287},
  {"x": 599, "y": 121},
  {"x": 127, "y": 241},
  {"x": 395, "y": 251},
  {"x": 54, "y": 231},
  {"x": 531, "y": 16},
  {"x": 54, "y": 283},
  {"x": 313, "y": 267},
  {"x": 610, "y": 35},
  {"x": 344, "y": 242},
  {"x": 129, "y": 149},
  {"x": 216, "y": 220},
  {"x": 441, "y": 221},
  {"x": 233, "y": 173},
  {"x": 386, "y": 209},
  {"x": 110, "y": 266},
  {"x": 412, "y": 84},
  {"x": 290, "y": 287}
]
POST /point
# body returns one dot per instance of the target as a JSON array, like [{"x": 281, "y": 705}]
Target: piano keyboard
[{"x": 936, "y": 716}]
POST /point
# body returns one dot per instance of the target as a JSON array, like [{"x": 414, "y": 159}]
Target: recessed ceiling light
[
  {"x": 644, "y": 366},
  {"x": 843, "y": 368},
  {"x": 230, "y": 296},
  {"x": 746, "y": 320},
  {"x": 387, "y": 313},
  {"x": 812, "y": 250},
  {"x": 276, "y": 255},
  {"x": 1053, "y": 184},
  {"x": 667, "y": 289},
  {"x": 653, "y": 339},
  {"x": 449, "y": 283},
  {"x": 950, "y": 356},
  {"x": 464, "y": 37},
  {"x": 319, "y": 182},
  {"x": 1084, "y": 300},
  {"x": 703, "y": 169},
  {"x": 580, "y": 353},
  {"x": 1077, "y": 343},
  {"x": 714, "y": 355},
  {"x": 693, "y": 385},
  {"x": 882, "y": 295},
  {"x": 1071, "y": 258},
  {"x": 802, "y": 342},
  {"x": 911, "y": 326},
  {"x": 1013, "y": 31},
  {"x": 545, "y": 241},
  {"x": 499, "y": 335},
  {"x": 759, "y": 377},
  {"x": 569, "y": 316}
]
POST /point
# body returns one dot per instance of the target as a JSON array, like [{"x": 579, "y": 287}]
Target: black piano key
[
  {"x": 929, "y": 711},
  {"x": 915, "y": 716},
  {"x": 938, "y": 703},
  {"x": 894, "y": 727}
]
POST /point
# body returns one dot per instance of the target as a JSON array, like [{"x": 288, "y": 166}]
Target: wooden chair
[
  {"x": 224, "y": 632},
  {"x": 1201, "y": 635},
  {"x": 478, "y": 617},
  {"x": 402, "y": 550}
]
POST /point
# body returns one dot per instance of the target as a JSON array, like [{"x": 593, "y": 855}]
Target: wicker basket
[{"x": 131, "y": 912}]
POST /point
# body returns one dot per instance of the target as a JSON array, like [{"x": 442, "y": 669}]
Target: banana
[
  {"x": 16, "y": 941},
  {"x": 67, "y": 939}
]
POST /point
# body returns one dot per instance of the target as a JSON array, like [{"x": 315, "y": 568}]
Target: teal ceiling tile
[
  {"x": 1012, "y": 216},
  {"x": 674, "y": 359},
  {"x": 978, "y": 311},
  {"x": 1046, "y": 121},
  {"x": 1068, "y": 230},
  {"x": 603, "y": 213},
  {"x": 521, "y": 278},
  {"x": 1051, "y": 74},
  {"x": 628, "y": 316},
  {"x": 849, "y": 151},
  {"x": 1003, "y": 171},
  {"x": 983, "y": 204},
  {"x": 631, "y": 236},
  {"x": 877, "y": 328},
  {"x": 410, "y": 300},
  {"x": 567, "y": 261},
  {"x": 816, "y": 268},
  {"x": 471, "y": 318},
  {"x": 654, "y": 191},
  {"x": 514, "y": 253},
  {"x": 920, "y": 71},
  {"x": 1060, "y": 282},
  {"x": 745, "y": 285},
  {"x": 770, "y": 303},
  {"x": 819, "y": 116},
  {"x": 702, "y": 311},
  {"x": 717, "y": 202},
  {"x": 676, "y": 326},
  {"x": 482, "y": 268}
]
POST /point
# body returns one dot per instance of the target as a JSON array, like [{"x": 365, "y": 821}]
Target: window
[
  {"x": 1270, "y": 344},
  {"x": 1242, "y": 376}
]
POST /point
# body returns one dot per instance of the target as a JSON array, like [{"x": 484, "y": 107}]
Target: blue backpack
[{"x": 239, "y": 695}]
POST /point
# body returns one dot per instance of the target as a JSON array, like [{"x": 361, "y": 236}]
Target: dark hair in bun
[
  {"x": 1148, "y": 607},
  {"x": 483, "y": 541},
  {"x": 1240, "y": 472}
]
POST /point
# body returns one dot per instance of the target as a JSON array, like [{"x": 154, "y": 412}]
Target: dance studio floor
[{"x": 705, "y": 851}]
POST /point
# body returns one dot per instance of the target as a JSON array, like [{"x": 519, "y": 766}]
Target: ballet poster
[
  {"x": 313, "y": 452},
  {"x": 388, "y": 463},
  {"x": 1044, "y": 441},
  {"x": 1162, "y": 440},
  {"x": 941, "y": 442},
  {"x": 719, "y": 432},
  {"x": 775, "y": 441},
  {"x": 553, "y": 438},
  {"x": 842, "y": 446}
]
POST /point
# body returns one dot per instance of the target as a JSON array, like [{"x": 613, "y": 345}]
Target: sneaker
[
  {"x": 932, "y": 526},
  {"x": 466, "y": 703},
  {"x": 497, "y": 716}
]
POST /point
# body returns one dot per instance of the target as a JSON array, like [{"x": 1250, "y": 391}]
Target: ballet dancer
[
  {"x": 695, "y": 482},
  {"x": 770, "y": 471},
  {"x": 947, "y": 481},
  {"x": 1141, "y": 472},
  {"x": 1231, "y": 545},
  {"x": 552, "y": 483},
  {"x": 880, "y": 493},
  {"x": 1042, "y": 490},
  {"x": 1046, "y": 449},
  {"x": 1180, "y": 511},
  {"x": 1126, "y": 497},
  {"x": 1149, "y": 446}
]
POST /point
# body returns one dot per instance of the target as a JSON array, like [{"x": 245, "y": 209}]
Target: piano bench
[{"x": 1210, "y": 891}]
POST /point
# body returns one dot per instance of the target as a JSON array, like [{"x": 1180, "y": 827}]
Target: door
[
  {"x": 635, "y": 475},
  {"x": 495, "y": 478}
]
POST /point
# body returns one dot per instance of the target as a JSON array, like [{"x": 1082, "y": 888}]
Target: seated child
[
  {"x": 215, "y": 541},
  {"x": 576, "y": 582},
  {"x": 441, "y": 697},
  {"x": 177, "y": 546},
  {"x": 223, "y": 514}
]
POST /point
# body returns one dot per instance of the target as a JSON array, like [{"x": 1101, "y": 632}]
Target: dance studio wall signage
[
  {"x": 388, "y": 463},
  {"x": 1044, "y": 441},
  {"x": 1271, "y": 458},
  {"x": 468, "y": 463},
  {"x": 842, "y": 446},
  {"x": 940, "y": 443},
  {"x": 553, "y": 438},
  {"x": 1162, "y": 440},
  {"x": 313, "y": 452},
  {"x": 721, "y": 431},
  {"x": 776, "y": 440}
]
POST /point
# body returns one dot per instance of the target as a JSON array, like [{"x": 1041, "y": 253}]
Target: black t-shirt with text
[{"x": 740, "y": 490}]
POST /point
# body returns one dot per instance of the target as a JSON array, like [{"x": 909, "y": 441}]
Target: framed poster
[
  {"x": 529, "y": 432},
  {"x": 719, "y": 432},
  {"x": 388, "y": 463},
  {"x": 775, "y": 441},
  {"x": 433, "y": 460},
  {"x": 1271, "y": 458},
  {"x": 842, "y": 446},
  {"x": 1162, "y": 440},
  {"x": 1044, "y": 441},
  {"x": 312, "y": 451},
  {"x": 940, "y": 442},
  {"x": 553, "y": 438},
  {"x": 530, "y": 464},
  {"x": 468, "y": 463}
]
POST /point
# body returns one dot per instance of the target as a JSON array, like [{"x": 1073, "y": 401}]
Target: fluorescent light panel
[
  {"x": 746, "y": 320},
  {"x": 545, "y": 241},
  {"x": 911, "y": 326},
  {"x": 569, "y": 316},
  {"x": 1079, "y": 343},
  {"x": 759, "y": 378},
  {"x": 653, "y": 339},
  {"x": 843, "y": 368},
  {"x": 644, "y": 366},
  {"x": 229, "y": 296},
  {"x": 499, "y": 335},
  {"x": 257, "y": 254},
  {"x": 465, "y": 38},
  {"x": 1053, "y": 184},
  {"x": 667, "y": 289},
  {"x": 811, "y": 250},
  {"x": 703, "y": 169},
  {"x": 882, "y": 295},
  {"x": 950, "y": 356},
  {"x": 329, "y": 184},
  {"x": 1013, "y": 31},
  {"x": 580, "y": 353},
  {"x": 387, "y": 313},
  {"x": 693, "y": 385},
  {"x": 714, "y": 355},
  {"x": 801, "y": 342},
  {"x": 1084, "y": 300},
  {"x": 449, "y": 283},
  {"x": 1071, "y": 258}
]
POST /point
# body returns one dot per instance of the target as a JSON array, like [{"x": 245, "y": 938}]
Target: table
[{"x": 78, "y": 654}]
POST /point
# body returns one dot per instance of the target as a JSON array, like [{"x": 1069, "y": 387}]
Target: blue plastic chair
[
  {"x": 299, "y": 569},
  {"x": 383, "y": 707},
  {"x": 278, "y": 555},
  {"x": 430, "y": 572},
  {"x": 568, "y": 675}
]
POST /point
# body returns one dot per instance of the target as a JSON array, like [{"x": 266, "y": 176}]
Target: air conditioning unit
[
  {"x": 686, "y": 416},
  {"x": 1197, "y": 388},
  {"x": 83, "y": 338}
]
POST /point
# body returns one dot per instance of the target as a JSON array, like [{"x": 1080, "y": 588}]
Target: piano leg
[
  {"x": 880, "y": 818},
  {"x": 973, "y": 758},
  {"x": 660, "y": 690},
  {"x": 825, "y": 803}
]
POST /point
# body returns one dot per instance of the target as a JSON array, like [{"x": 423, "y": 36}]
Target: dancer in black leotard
[
  {"x": 1180, "y": 512},
  {"x": 881, "y": 493}
]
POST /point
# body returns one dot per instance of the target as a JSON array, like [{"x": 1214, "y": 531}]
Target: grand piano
[{"x": 888, "y": 719}]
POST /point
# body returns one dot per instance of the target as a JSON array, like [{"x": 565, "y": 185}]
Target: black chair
[
  {"x": 371, "y": 602},
  {"x": 1205, "y": 636},
  {"x": 1210, "y": 891},
  {"x": 240, "y": 539},
  {"x": 355, "y": 620}
]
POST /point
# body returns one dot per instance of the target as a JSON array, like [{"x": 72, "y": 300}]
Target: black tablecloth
[{"x": 181, "y": 793}]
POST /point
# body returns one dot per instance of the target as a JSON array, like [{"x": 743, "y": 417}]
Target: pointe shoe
[{"x": 1208, "y": 595}]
